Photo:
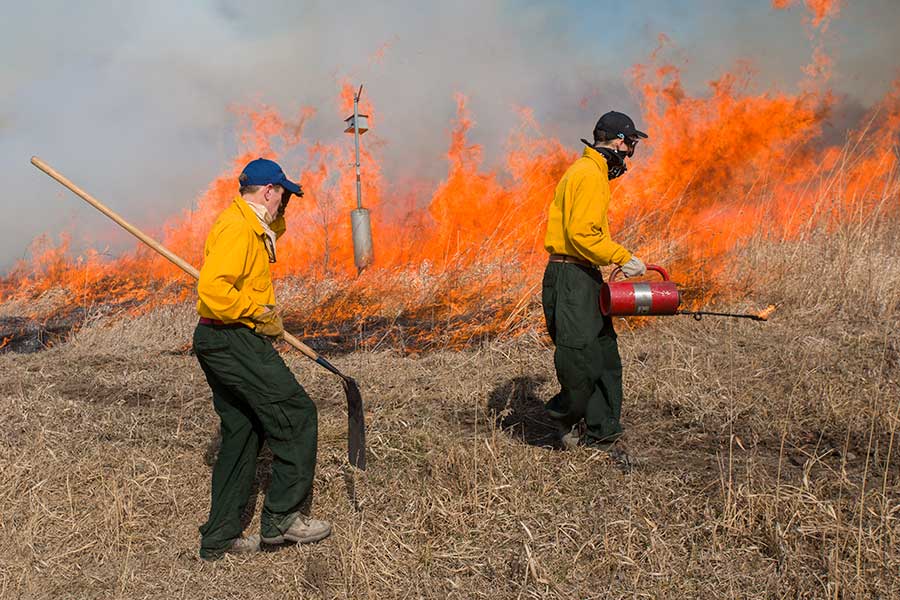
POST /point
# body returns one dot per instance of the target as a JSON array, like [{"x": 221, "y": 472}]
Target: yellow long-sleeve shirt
[
  {"x": 577, "y": 224},
  {"x": 235, "y": 281}
]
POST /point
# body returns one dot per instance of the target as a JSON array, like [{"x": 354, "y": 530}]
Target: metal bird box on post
[
  {"x": 363, "y": 121},
  {"x": 360, "y": 223}
]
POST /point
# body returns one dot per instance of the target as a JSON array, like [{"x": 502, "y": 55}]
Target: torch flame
[{"x": 765, "y": 313}]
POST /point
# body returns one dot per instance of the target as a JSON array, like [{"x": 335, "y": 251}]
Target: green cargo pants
[
  {"x": 257, "y": 399},
  {"x": 587, "y": 359}
]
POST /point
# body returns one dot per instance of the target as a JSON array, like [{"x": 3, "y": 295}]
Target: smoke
[{"x": 136, "y": 101}]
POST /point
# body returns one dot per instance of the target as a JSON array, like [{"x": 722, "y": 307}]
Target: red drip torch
[
  {"x": 646, "y": 298},
  {"x": 621, "y": 298}
]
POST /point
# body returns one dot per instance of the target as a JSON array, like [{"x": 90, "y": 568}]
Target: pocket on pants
[
  {"x": 548, "y": 303},
  {"x": 276, "y": 382},
  {"x": 571, "y": 328},
  {"x": 282, "y": 419},
  {"x": 208, "y": 340},
  {"x": 577, "y": 316}
]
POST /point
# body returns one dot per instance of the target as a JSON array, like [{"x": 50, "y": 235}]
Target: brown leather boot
[
  {"x": 570, "y": 437},
  {"x": 302, "y": 531},
  {"x": 240, "y": 545},
  {"x": 244, "y": 545}
]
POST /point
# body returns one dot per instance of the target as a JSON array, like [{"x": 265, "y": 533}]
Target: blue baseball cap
[{"x": 263, "y": 172}]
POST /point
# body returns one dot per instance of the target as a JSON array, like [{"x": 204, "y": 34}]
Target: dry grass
[{"x": 765, "y": 460}]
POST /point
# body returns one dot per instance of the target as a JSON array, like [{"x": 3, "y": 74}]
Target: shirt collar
[
  {"x": 249, "y": 215},
  {"x": 259, "y": 225},
  {"x": 597, "y": 158}
]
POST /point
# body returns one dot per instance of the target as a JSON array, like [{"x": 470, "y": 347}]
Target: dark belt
[
  {"x": 565, "y": 258},
  {"x": 218, "y": 323}
]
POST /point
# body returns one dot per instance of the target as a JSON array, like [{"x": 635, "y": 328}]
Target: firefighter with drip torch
[{"x": 578, "y": 239}]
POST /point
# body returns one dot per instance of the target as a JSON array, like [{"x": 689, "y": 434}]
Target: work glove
[
  {"x": 634, "y": 267},
  {"x": 269, "y": 322}
]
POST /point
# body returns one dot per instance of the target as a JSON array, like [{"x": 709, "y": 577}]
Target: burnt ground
[{"x": 415, "y": 332}]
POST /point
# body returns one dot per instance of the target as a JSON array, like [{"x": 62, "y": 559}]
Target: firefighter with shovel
[
  {"x": 578, "y": 239},
  {"x": 254, "y": 392}
]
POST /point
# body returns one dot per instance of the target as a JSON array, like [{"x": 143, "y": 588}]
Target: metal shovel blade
[{"x": 356, "y": 425}]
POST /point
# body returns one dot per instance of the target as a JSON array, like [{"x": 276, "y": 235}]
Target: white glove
[{"x": 634, "y": 267}]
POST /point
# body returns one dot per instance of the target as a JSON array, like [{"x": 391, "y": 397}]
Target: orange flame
[
  {"x": 765, "y": 313},
  {"x": 719, "y": 168},
  {"x": 822, "y": 10}
]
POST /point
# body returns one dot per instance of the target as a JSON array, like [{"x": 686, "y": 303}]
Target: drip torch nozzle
[
  {"x": 762, "y": 315},
  {"x": 765, "y": 313}
]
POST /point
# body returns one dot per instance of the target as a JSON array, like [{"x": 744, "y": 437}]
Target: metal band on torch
[{"x": 643, "y": 298}]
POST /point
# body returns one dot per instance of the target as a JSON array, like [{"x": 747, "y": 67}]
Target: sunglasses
[{"x": 630, "y": 141}]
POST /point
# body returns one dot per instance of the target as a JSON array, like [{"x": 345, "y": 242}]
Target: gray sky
[{"x": 135, "y": 100}]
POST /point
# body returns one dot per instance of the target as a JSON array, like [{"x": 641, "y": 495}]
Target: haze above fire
[{"x": 136, "y": 101}]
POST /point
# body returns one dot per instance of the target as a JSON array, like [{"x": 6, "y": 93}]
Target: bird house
[{"x": 363, "y": 124}]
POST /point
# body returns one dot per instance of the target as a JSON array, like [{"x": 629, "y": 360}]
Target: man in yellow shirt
[
  {"x": 578, "y": 239},
  {"x": 254, "y": 393}
]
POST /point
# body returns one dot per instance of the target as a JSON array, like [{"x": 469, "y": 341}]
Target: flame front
[{"x": 719, "y": 169}]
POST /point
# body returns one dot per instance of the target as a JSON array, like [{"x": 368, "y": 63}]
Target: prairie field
[
  {"x": 764, "y": 457},
  {"x": 760, "y": 457}
]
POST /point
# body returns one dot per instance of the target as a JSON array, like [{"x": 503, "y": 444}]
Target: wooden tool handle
[
  {"x": 306, "y": 350},
  {"x": 176, "y": 260}
]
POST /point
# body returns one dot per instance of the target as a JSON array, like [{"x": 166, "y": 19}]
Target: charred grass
[{"x": 764, "y": 460}]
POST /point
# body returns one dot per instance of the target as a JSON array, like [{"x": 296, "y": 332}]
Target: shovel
[{"x": 356, "y": 428}]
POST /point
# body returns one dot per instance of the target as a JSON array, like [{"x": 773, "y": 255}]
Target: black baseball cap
[
  {"x": 263, "y": 172},
  {"x": 618, "y": 124}
]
